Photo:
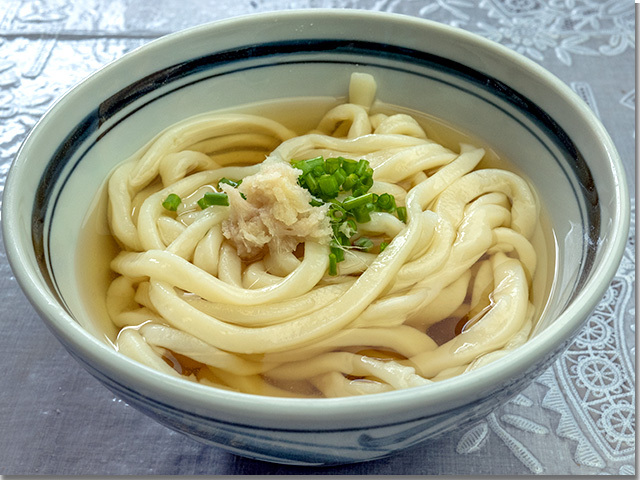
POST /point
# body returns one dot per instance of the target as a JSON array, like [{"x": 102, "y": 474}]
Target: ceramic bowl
[{"x": 481, "y": 87}]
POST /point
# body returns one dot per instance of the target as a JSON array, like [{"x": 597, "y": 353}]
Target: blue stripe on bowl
[
  {"x": 369, "y": 53},
  {"x": 386, "y": 438}
]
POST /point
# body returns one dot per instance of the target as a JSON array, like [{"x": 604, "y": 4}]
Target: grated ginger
[{"x": 276, "y": 213}]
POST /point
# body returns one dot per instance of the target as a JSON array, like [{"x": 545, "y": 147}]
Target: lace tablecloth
[{"x": 577, "y": 418}]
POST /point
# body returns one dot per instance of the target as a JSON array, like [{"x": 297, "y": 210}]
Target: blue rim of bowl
[{"x": 76, "y": 140}]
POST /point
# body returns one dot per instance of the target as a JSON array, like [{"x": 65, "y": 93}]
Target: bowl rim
[{"x": 368, "y": 408}]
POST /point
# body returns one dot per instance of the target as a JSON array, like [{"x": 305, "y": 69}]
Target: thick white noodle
[{"x": 279, "y": 324}]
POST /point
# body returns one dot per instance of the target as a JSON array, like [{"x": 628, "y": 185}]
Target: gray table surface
[{"x": 577, "y": 418}]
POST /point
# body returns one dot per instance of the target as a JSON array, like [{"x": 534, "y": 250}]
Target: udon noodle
[{"x": 242, "y": 296}]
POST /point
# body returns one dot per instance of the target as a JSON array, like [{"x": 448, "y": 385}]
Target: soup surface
[{"x": 316, "y": 247}]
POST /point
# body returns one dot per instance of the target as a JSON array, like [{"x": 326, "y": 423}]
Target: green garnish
[
  {"x": 219, "y": 198},
  {"x": 352, "y": 203},
  {"x": 332, "y": 165},
  {"x": 349, "y": 165},
  {"x": 333, "y": 264},
  {"x": 337, "y": 250},
  {"x": 386, "y": 202},
  {"x": 172, "y": 202},
  {"x": 337, "y": 212},
  {"x": 233, "y": 183},
  {"x": 326, "y": 179},
  {"x": 363, "y": 243},
  {"x": 213, "y": 198},
  {"x": 350, "y": 180},
  {"x": 402, "y": 213},
  {"x": 361, "y": 214},
  {"x": 329, "y": 185}
]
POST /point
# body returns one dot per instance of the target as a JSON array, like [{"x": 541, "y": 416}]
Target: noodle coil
[{"x": 243, "y": 306}]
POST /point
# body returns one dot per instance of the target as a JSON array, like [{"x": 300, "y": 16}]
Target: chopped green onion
[
  {"x": 355, "y": 202},
  {"x": 364, "y": 243},
  {"x": 361, "y": 168},
  {"x": 319, "y": 171},
  {"x": 172, "y": 202},
  {"x": 312, "y": 183},
  {"x": 213, "y": 198},
  {"x": 227, "y": 181},
  {"x": 368, "y": 172},
  {"x": 386, "y": 202},
  {"x": 326, "y": 180},
  {"x": 350, "y": 182},
  {"x": 332, "y": 164},
  {"x": 308, "y": 165},
  {"x": 338, "y": 235},
  {"x": 333, "y": 264},
  {"x": 328, "y": 185},
  {"x": 342, "y": 239},
  {"x": 402, "y": 213},
  {"x": 349, "y": 227},
  {"x": 336, "y": 249},
  {"x": 337, "y": 213},
  {"x": 361, "y": 214},
  {"x": 340, "y": 176},
  {"x": 359, "y": 190},
  {"x": 349, "y": 165}
]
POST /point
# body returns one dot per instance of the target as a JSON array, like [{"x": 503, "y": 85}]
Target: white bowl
[{"x": 482, "y": 87}]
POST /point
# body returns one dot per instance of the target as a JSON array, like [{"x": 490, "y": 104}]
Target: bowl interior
[{"x": 482, "y": 89}]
